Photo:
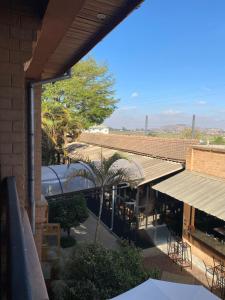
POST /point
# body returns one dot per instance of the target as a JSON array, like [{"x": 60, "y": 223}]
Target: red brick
[
  {"x": 21, "y": 33},
  {"x": 207, "y": 160},
  {"x": 19, "y": 57},
  {"x": 16, "y": 57},
  {"x": 11, "y": 159},
  {"x": 11, "y": 137},
  {"x": 18, "y": 126},
  {"x": 14, "y": 44},
  {"x": 5, "y": 148},
  {"x": 5, "y": 79},
  {"x": 11, "y": 68},
  {"x": 18, "y": 148},
  {"x": 18, "y": 102},
  {"x": 4, "y": 55},
  {"x": 26, "y": 55},
  {"x": 29, "y": 22},
  {"x": 4, "y": 42},
  {"x": 26, "y": 45},
  {"x": 7, "y": 115},
  {"x": 6, "y": 171},
  {"x": 5, "y": 103},
  {"x": 4, "y": 30},
  {"x": 11, "y": 92},
  {"x": 18, "y": 170},
  {"x": 5, "y": 126},
  {"x": 9, "y": 18},
  {"x": 17, "y": 81},
  {"x": 7, "y": 43}
]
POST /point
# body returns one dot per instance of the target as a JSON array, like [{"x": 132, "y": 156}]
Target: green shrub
[
  {"x": 69, "y": 211},
  {"x": 67, "y": 241},
  {"x": 95, "y": 273}
]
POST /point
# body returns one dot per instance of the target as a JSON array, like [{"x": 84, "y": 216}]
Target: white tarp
[
  {"x": 163, "y": 290},
  {"x": 55, "y": 179}
]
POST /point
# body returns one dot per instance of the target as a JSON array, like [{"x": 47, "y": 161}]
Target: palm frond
[
  {"x": 82, "y": 173},
  {"x": 108, "y": 162},
  {"x": 117, "y": 176},
  {"x": 92, "y": 167}
]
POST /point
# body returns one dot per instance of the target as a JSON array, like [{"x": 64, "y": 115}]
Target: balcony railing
[{"x": 24, "y": 275}]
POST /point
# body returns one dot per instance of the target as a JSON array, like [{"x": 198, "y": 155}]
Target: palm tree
[{"x": 103, "y": 174}]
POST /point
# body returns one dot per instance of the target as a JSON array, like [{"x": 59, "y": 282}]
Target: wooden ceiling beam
[
  {"x": 58, "y": 18},
  {"x": 121, "y": 14}
]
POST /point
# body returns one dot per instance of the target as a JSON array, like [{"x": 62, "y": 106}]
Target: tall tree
[
  {"x": 104, "y": 175},
  {"x": 86, "y": 99}
]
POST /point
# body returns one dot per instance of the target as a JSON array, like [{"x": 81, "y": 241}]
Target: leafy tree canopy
[
  {"x": 88, "y": 95},
  {"x": 68, "y": 106},
  {"x": 68, "y": 211},
  {"x": 95, "y": 273}
]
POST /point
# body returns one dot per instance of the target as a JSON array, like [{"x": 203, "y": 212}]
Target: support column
[
  {"x": 137, "y": 206},
  {"x": 113, "y": 206}
]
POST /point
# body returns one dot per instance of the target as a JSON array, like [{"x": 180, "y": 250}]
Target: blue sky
[{"x": 168, "y": 59}]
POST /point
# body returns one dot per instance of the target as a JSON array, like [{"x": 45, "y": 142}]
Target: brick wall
[
  {"x": 18, "y": 27},
  {"x": 207, "y": 159}
]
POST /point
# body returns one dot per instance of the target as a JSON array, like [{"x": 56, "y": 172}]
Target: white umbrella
[{"x": 163, "y": 290}]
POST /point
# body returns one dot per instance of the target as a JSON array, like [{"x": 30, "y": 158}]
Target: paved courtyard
[{"x": 86, "y": 232}]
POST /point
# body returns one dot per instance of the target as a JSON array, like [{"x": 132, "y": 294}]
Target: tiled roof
[
  {"x": 143, "y": 167},
  {"x": 172, "y": 149}
]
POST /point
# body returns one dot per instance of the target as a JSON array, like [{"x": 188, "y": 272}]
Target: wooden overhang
[{"x": 70, "y": 29}]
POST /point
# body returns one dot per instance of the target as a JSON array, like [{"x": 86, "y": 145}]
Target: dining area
[
  {"x": 179, "y": 251},
  {"x": 215, "y": 274}
]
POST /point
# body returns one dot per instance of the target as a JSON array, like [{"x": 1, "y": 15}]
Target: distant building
[{"x": 98, "y": 129}]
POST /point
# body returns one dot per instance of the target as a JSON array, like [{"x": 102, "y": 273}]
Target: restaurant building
[
  {"x": 40, "y": 40},
  {"x": 149, "y": 161},
  {"x": 200, "y": 191}
]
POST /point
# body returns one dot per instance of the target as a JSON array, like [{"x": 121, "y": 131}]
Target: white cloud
[
  {"x": 206, "y": 89},
  {"x": 202, "y": 102},
  {"x": 134, "y": 95},
  {"x": 170, "y": 112}
]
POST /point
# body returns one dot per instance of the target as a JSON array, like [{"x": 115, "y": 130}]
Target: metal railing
[
  {"x": 24, "y": 275},
  {"x": 19, "y": 286}
]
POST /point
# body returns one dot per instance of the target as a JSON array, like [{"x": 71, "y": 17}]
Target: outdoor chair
[
  {"x": 209, "y": 270},
  {"x": 216, "y": 262},
  {"x": 220, "y": 280}
]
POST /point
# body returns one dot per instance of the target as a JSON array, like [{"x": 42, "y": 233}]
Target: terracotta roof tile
[{"x": 173, "y": 149}]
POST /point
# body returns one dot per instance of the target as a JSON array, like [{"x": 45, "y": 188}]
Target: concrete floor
[{"x": 86, "y": 232}]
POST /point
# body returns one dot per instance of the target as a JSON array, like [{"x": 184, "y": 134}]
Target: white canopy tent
[
  {"x": 55, "y": 178},
  {"x": 163, "y": 290}
]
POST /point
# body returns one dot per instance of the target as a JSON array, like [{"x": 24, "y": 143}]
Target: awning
[
  {"x": 163, "y": 290},
  {"x": 146, "y": 168},
  {"x": 201, "y": 191}
]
